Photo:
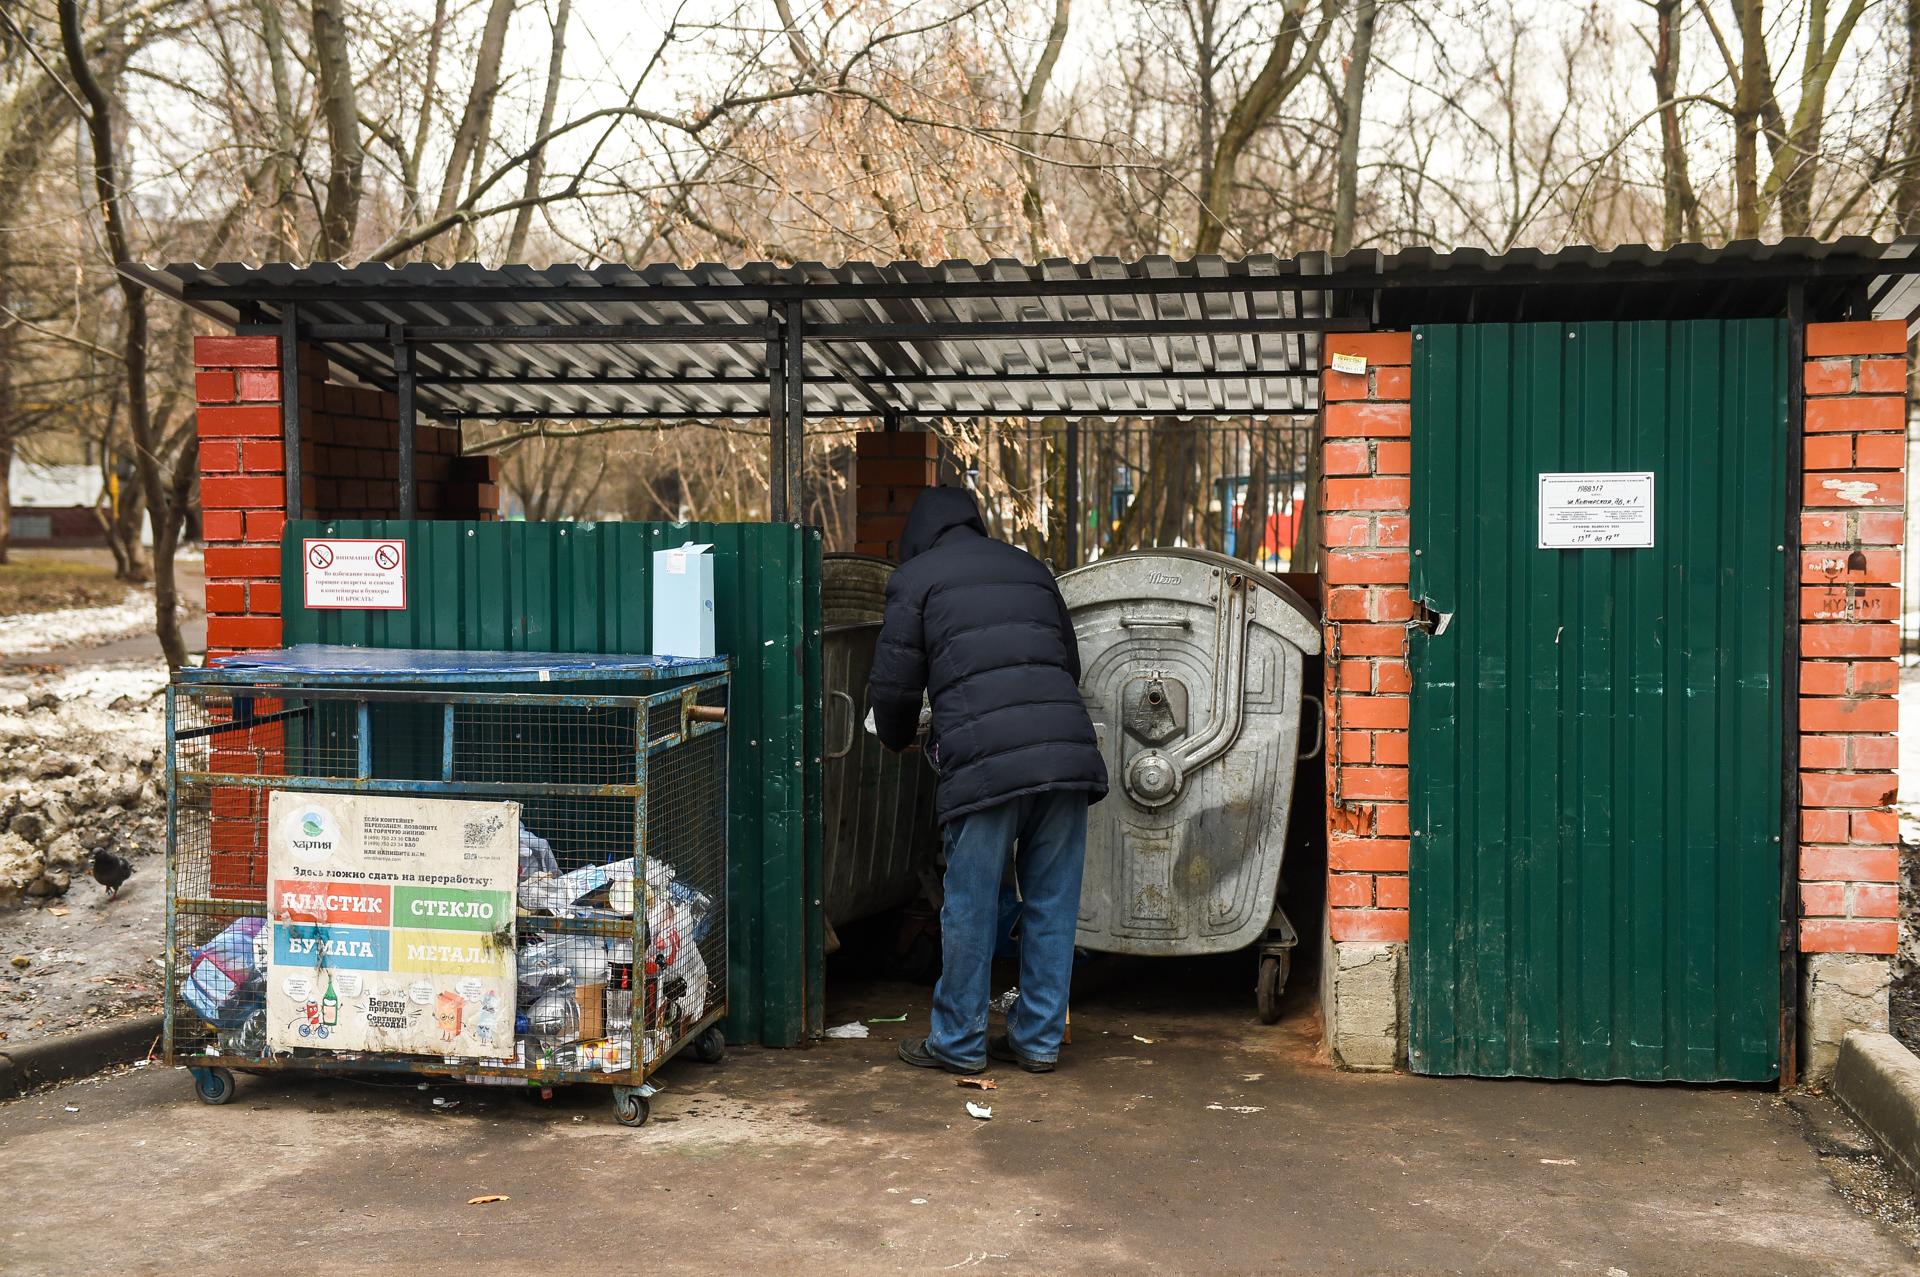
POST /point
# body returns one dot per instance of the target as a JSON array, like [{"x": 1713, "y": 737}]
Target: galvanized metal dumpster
[
  {"x": 1191, "y": 666},
  {"x": 881, "y": 833}
]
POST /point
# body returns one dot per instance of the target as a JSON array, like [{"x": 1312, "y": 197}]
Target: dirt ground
[
  {"x": 89, "y": 959},
  {"x": 51, "y": 580},
  {"x": 1179, "y": 1135}
]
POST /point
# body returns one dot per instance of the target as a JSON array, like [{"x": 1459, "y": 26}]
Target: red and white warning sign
[{"x": 340, "y": 573}]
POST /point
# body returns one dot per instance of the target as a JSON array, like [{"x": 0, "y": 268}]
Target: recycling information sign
[{"x": 391, "y": 924}]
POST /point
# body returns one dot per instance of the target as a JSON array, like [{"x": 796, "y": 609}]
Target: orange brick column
[
  {"x": 891, "y": 469},
  {"x": 1850, "y": 531},
  {"x": 243, "y": 490},
  {"x": 1365, "y": 497},
  {"x": 1855, "y": 381},
  {"x": 243, "y": 498}
]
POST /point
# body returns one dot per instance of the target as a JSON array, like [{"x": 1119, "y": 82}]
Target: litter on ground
[
  {"x": 851, "y": 1029},
  {"x": 978, "y": 1083},
  {"x": 981, "y": 1111}
]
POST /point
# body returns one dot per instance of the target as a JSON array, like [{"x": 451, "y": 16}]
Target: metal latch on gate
[{"x": 1426, "y": 618}]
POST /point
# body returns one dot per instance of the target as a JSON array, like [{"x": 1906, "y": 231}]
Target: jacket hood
[{"x": 938, "y": 511}]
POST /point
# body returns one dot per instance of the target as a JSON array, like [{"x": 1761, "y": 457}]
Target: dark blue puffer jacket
[{"x": 980, "y": 626}]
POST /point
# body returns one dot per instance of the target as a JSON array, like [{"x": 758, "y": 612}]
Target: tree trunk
[
  {"x": 1347, "y": 167},
  {"x": 1680, "y": 214},
  {"x": 273, "y": 37},
  {"x": 1277, "y": 78},
  {"x": 6, "y": 498},
  {"x": 1031, "y": 203},
  {"x": 340, "y": 216},
  {"x": 106, "y": 180},
  {"x": 470, "y": 139},
  {"x": 1906, "y": 199},
  {"x": 1748, "y": 105},
  {"x": 537, "y": 166}
]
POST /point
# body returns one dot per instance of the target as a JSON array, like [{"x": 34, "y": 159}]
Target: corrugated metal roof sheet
[{"x": 1101, "y": 337}]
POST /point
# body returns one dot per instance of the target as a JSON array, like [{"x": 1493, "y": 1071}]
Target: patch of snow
[{"x": 76, "y": 626}]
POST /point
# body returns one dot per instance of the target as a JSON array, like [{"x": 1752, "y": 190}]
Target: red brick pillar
[
  {"x": 243, "y": 489},
  {"x": 1365, "y": 498},
  {"x": 1850, "y": 530},
  {"x": 243, "y": 496},
  {"x": 891, "y": 469}
]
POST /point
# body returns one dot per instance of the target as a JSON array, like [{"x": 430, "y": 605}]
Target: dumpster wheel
[
  {"x": 213, "y": 1086},
  {"x": 1272, "y": 982},
  {"x": 630, "y": 1108},
  {"x": 711, "y": 1046}
]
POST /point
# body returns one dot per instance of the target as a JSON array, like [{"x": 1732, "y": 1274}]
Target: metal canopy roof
[{"x": 1104, "y": 337}]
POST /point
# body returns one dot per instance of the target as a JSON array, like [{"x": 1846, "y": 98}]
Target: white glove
[{"x": 926, "y": 718}]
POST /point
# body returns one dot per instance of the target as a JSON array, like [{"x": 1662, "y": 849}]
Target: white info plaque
[{"x": 1596, "y": 510}]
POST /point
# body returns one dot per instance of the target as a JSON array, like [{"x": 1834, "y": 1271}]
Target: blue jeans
[{"x": 1051, "y": 831}]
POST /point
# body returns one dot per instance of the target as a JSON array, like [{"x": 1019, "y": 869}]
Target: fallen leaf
[
  {"x": 488, "y": 1197},
  {"x": 978, "y": 1083},
  {"x": 59, "y": 913}
]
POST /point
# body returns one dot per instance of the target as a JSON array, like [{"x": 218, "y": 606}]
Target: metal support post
[
  {"x": 777, "y": 465},
  {"x": 796, "y": 422},
  {"x": 290, "y": 407},
  {"x": 407, "y": 502}
]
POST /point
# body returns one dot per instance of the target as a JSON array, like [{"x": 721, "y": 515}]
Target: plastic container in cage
[{"x": 501, "y": 868}]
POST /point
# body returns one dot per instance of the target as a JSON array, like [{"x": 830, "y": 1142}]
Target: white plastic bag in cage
[{"x": 536, "y": 855}]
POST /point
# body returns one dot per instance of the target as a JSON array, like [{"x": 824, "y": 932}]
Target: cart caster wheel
[
  {"x": 213, "y": 1086},
  {"x": 630, "y": 1108},
  {"x": 1272, "y": 982},
  {"x": 711, "y": 1046}
]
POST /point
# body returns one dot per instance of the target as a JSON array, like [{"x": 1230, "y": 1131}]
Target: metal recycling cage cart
[{"x": 617, "y": 926}]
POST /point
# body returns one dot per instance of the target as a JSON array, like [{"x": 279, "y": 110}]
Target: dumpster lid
[{"x": 421, "y": 665}]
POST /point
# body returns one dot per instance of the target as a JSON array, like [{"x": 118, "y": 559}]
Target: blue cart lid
[{"x": 374, "y": 665}]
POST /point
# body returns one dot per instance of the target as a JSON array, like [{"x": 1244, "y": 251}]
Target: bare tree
[
  {"x": 1352, "y": 99},
  {"x": 166, "y": 495},
  {"x": 340, "y": 215},
  {"x": 1288, "y": 63}
]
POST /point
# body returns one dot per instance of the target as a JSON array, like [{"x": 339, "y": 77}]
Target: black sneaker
[
  {"x": 914, "y": 1051},
  {"x": 999, "y": 1048}
]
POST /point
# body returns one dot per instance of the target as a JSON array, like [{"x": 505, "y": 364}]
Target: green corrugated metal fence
[
  {"x": 581, "y": 587},
  {"x": 1596, "y": 743}
]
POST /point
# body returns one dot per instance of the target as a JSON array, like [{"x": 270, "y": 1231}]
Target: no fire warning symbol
[{"x": 355, "y": 573}]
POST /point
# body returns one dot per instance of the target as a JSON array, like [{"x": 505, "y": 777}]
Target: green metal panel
[
  {"x": 1597, "y": 734},
  {"x": 585, "y": 587}
]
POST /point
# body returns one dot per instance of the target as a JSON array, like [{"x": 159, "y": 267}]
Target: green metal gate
[
  {"x": 1597, "y": 733},
  {"x": 586, "y": 587}
]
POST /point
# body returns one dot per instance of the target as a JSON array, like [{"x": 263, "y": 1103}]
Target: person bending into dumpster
[{"x": 979, "y": 627}]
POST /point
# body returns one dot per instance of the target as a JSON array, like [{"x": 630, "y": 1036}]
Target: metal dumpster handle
[
  {"x": 706, "y": 713},
  {"x": 853, "y": 723},
  {"x": 1155, "y": 623},
  {"x": 1319, "y": 726}
]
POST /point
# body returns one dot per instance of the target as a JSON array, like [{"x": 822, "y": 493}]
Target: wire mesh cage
[{"x": 569, "y": 927}]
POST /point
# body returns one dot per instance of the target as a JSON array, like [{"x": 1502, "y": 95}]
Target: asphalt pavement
[{"x": 1179, "y": 1134}]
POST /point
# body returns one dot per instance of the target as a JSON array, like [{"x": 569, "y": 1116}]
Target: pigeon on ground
[{"x": 110, "y": 869}]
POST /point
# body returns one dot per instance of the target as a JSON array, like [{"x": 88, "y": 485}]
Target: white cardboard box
[{"x": 683, "y": 601}]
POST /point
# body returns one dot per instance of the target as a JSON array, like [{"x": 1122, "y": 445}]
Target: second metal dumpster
[
  {"x": 1192, "y": 670},
  {"x": 879, "y": 805}
]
